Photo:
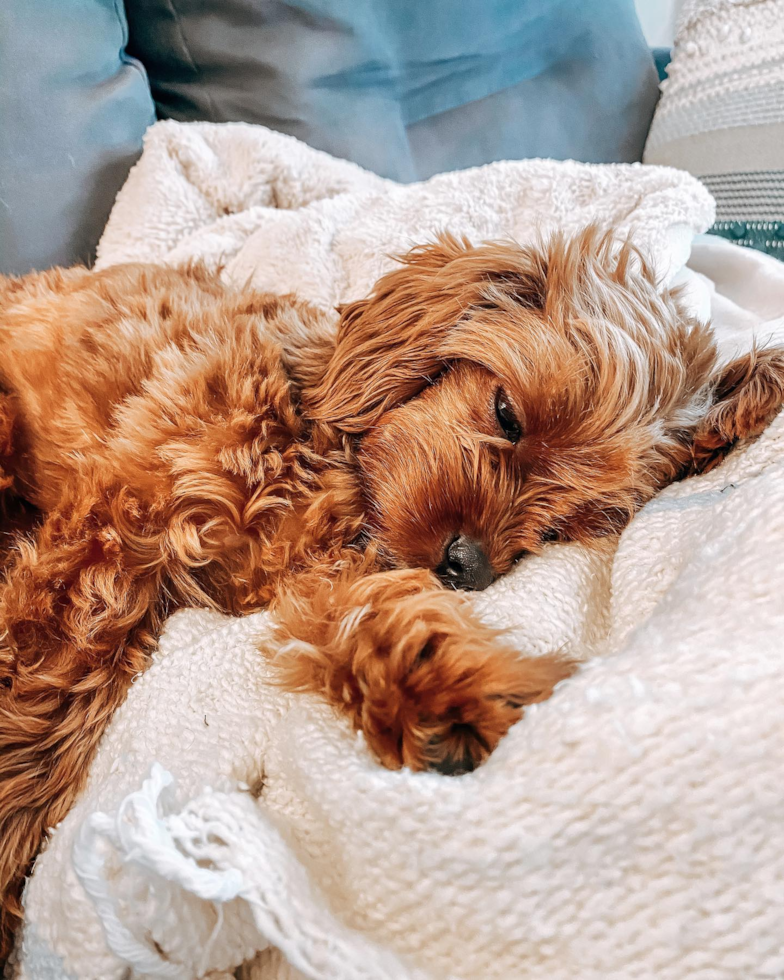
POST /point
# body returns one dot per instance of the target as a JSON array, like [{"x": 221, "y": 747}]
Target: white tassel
[{"x": 140, "y": 835}]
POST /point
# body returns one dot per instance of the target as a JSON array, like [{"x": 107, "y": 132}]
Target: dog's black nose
[{"x": 465, "y": 565}]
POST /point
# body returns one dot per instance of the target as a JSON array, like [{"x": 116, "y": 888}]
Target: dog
[{"x": 187, "y": 443}]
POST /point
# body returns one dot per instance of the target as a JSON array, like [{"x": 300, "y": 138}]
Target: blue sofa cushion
[
  {"x": 408, "y": 87},
  {"x": 73, "y": 109},
  {"x": 662, "y": 58}
]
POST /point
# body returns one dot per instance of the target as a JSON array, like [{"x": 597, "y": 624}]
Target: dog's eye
[{"x": 507, "y": 419}]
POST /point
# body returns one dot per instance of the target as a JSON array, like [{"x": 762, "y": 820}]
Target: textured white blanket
[{"x": 629, "y": 827}]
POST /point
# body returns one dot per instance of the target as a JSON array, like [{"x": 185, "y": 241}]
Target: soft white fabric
[
  {"x": 288, "y": 218},
  {"x": 629, "y": 827}
]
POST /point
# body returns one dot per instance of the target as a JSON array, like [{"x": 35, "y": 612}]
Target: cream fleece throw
[{"x": 630, "y": 827}]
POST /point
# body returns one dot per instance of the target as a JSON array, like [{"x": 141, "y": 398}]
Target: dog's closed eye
[{"x": 507, "y": 419}]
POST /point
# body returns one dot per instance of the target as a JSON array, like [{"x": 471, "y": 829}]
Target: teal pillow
[
  {"x": 73, "y": 108},
  {"x": 408, "y": 88}
]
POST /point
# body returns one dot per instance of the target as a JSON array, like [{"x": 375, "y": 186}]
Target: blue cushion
[
  {"x": 408, "y": 87},
  {"x": 73, "y": 109},
  {"x": 662, "y": 58}
]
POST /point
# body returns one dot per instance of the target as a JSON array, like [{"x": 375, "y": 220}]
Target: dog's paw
[
  {"x": 443, "y": 705},
  {"x": 427, "y": 682}
]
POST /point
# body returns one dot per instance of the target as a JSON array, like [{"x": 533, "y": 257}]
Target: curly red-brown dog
[{"x": 187, "y": 443}]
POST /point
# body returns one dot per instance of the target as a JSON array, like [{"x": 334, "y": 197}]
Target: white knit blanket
[{"x": 630, "y": 827}]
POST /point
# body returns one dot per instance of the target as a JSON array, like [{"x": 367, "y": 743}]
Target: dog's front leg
[{"x": 430, "y": 686}]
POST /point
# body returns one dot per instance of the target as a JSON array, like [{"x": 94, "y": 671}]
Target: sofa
[{"x": 405, "y": 89}]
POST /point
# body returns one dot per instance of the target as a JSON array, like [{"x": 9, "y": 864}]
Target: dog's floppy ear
[
  {"x": 748, "y": 393},
  {"x": 387, "y": 344},
  {"x": 391, "y": 345}
]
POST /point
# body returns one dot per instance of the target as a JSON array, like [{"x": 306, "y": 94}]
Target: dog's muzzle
[{"x": 465, "y": 565}]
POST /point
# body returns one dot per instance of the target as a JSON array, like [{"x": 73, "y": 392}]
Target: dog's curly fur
[{"x": 187, "y": 443}]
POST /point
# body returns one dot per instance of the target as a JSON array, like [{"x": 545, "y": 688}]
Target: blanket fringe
[{"x": 184, "y": 894}]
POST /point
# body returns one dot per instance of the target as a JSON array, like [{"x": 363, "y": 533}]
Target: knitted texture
[
  {"x": 629, "y": 827},
  {"x": 721, "y": 114},
  {"x": 727, "y": 69}
]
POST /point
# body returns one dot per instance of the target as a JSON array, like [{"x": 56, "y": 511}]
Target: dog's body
[{"x": 190, "y": 444}]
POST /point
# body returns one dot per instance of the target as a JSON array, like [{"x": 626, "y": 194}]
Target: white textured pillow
[{"x": 721, "y": 114}]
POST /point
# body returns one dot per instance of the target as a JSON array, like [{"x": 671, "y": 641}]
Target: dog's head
[{"x": 503, "y": 396}]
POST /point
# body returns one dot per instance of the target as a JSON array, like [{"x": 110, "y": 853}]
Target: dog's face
[{"x": 506, "y": 396}]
